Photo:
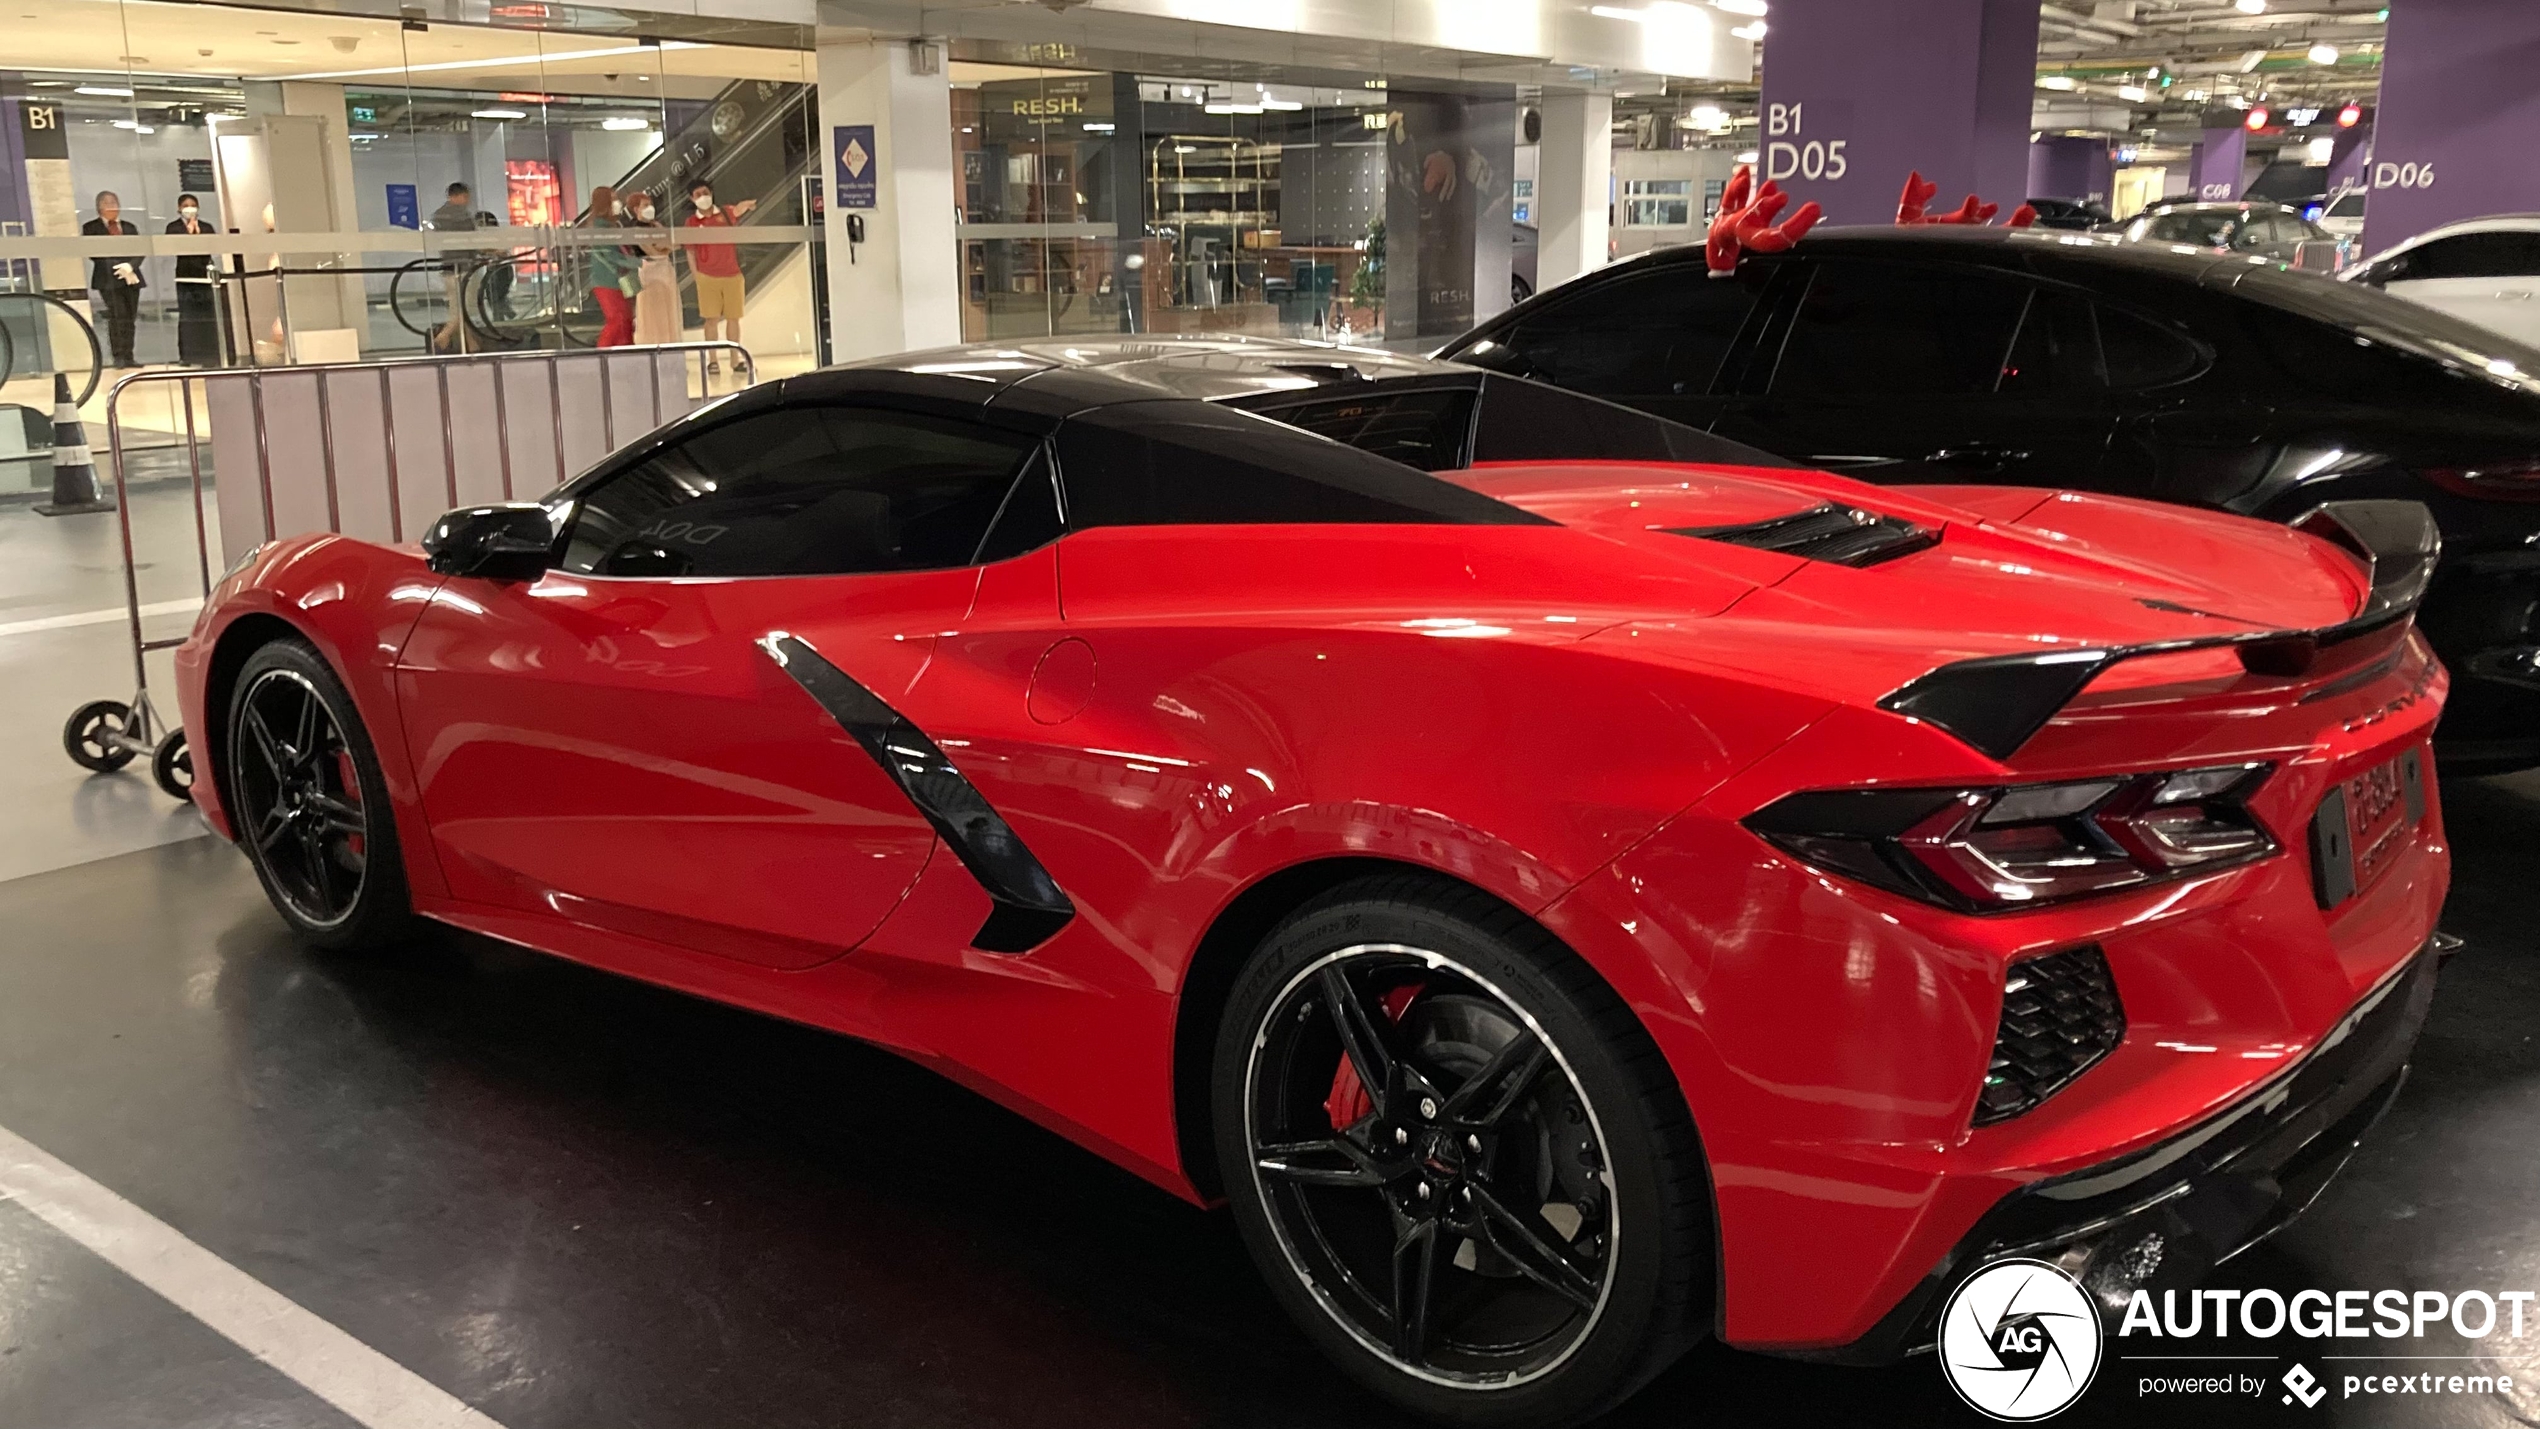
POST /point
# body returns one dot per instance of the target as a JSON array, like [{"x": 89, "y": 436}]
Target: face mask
[
  {"x": 644, "y": 212},
  {"x": 188, "y": 210},
  {"x": 705, "y": 206}
]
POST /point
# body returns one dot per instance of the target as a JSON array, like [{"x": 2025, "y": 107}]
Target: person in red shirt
[{"x": 716, "y": 268}]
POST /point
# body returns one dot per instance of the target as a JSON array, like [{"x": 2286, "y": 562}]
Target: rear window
[
  {"x": 1423, "y": 428},
  {"x": 2201, "y": 228},
  {"x": 1180, "y": 463}
]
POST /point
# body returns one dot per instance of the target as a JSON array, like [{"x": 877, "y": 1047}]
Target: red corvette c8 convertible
[{"x": 1572, "y": 889}]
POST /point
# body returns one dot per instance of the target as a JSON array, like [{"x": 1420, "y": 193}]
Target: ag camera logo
[{"x": 2019, "y": 1340}]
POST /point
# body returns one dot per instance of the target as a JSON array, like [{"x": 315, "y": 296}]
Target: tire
[
  {"x": 1511, "y": 1072},
  {"x": 172, "y": 765},
  {"x": 84, "y": 736},
  {"x": 307, "y": 801}
]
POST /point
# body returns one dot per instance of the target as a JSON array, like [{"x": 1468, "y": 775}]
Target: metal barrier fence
[{"x": 333, "y": 447}]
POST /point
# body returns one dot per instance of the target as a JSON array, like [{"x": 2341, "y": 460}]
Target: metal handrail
[{"x": 144, "y": 720}]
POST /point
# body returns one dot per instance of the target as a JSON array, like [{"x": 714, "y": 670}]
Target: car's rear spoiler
[{"x": 1995, "y": 704}]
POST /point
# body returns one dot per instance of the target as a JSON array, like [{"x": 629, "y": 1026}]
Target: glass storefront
[
  {"x": 1098, "y": 202},
  {"x": 392, "y": 188}
]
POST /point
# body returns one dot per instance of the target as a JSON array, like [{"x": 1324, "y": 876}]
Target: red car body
[{"x": 1193, "y": 725}]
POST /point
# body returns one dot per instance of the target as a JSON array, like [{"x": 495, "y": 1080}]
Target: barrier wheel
[
  {"x": 89, "y": 737},
  {"x": 172, "y": 765}
]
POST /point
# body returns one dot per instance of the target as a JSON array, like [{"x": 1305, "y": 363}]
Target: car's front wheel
[
  {"x": 1458, "y": 1159},
  {"x": 308, "y": 803}
]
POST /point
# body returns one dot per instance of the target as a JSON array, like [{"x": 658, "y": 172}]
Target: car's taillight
[
  {"x": 2496, "y": 481},
  {"x": 2003, "y": 847}
]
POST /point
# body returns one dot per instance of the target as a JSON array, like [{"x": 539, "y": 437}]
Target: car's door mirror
[{"x": 507, "y": 542}]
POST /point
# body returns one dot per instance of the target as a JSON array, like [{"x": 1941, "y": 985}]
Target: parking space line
[
  {"x": 96, "y": 617},
  {"x": 366, "y": 1385}
]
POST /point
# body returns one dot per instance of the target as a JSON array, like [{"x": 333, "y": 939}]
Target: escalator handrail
[{"x": 96, "y": 354}]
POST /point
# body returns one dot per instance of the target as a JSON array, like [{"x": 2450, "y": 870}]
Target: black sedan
[{"x": 1939, "y": 354}]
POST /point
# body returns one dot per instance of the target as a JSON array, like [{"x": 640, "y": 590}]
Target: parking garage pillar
[
  {"x": 2452, "y": 138},
  {"x": 1574, "y": 166},
  {"x": 886, "y": 127},
  {"x": 1859, "y": 93},
  {"x": 2073, "y": 167}
]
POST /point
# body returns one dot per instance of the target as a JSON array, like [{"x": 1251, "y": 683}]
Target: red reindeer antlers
[
  {"x": 1745, "y": 224},
  {"x": 1974, "y": 212}
]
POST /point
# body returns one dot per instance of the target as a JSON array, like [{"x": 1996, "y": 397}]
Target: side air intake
[
  {"x": 1842, "y": 535},
  {"x": 2060, "y": 1015}
]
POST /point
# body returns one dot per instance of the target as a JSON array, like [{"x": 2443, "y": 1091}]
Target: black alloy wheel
[
  {"x": 307, "y": 802},
  {"x": 1421, "y": 1161}
]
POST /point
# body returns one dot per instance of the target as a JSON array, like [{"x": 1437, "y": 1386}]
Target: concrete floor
[
  {"x": 572, "y": 1200},
  {"x": 569, "y": 1200}
]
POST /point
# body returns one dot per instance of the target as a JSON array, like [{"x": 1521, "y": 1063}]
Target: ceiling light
[
  {"x": 2250, "y": 7},
  {"x": 2322, "y": 150},
  {"x": 2059, "y": 81},
  {"x": 1230, "y": 108},
  {"x": 1096, "y": 126},
  {"x": 501, "y": 61},
  {"x": 1747, "y": 157},
  {"x": 1754, "y": 30},
  {"x": 497, "y": 114},
  {"x": 2350, "y": 116},
  {"x": 1741, "y": 7},
  {"x": 2133, "y": 93},
  {"x": 1283, "y": 105},
  {"x": 2324, "y": 53},
  {"x": 624, "y": 123},
  {"x": 101, "y": 91}
]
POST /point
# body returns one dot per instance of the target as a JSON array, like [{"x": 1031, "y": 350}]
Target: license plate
[{"x": 2364, "y": 824}]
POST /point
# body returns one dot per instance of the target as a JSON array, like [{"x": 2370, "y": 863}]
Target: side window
[
  {"x": 1881, "y": 330},
  {"x": 2141, "y": 353},
  {"x": 801, "y": 491},
  {"x": 2057, "y": 351},
  {"x": 1425, "y": 428},
  {"x": 1662, "y": 332},
  {"x": 1172, "y": 463},
  {"x": 2476, "y": 255}
]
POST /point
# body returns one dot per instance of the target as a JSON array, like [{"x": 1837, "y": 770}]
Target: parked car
[
  {"x": 2486, "y": 270},
  {"x": 2056, "y": 359},
  {"x": 2249, "y": 229},
  {"x": 2343, "y": 218},
  {"x": 1568, "y": 908},
  {"x": 1525, "y": 241},
  {"x": 2077, "y": 215}
]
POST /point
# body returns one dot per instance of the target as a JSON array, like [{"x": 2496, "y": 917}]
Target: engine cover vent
[{"x": 1843, "y": 535}]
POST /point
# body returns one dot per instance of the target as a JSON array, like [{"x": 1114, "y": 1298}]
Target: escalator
[{"x": 754, "y": 142}]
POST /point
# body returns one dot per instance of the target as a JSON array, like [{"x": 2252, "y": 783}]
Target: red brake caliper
[
  {"x": 351, "y": 783},
  {"x": 1349, "y": 1101}
]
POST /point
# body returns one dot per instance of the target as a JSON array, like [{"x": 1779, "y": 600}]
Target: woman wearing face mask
[
  {"x": 612, "y": 272},
  {"x": 657, "y": 293},
  {"x": 197, "y": 325}
]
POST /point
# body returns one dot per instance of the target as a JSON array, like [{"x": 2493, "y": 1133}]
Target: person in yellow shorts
[{"x": 716, "y": 268}]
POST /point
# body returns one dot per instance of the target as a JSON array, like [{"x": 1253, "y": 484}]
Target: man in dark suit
[
  {"x": 197, "y": 324},
  {"x": 117, "y": 281}
]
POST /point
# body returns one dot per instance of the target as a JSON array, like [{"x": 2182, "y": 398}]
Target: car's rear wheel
[
  {"x": 1458, "y": 1159},
  {"x": 308, "y": 803}
]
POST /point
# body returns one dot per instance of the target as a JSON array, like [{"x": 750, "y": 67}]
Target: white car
[{"x": 2486, "y": 270}]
